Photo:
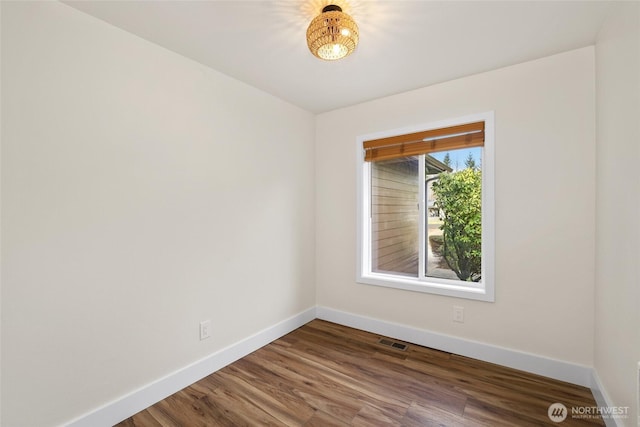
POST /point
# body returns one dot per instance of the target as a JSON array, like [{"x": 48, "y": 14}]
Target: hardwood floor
[{"x": 324, "y": 374}]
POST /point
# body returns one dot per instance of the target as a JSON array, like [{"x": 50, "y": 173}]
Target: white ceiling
[{"x": 404, "y": 45}]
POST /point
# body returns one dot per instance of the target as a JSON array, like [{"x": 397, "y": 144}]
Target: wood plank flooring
[{"x": 324, "y": 374}]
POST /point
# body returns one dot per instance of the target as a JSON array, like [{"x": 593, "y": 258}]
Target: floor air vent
[{"x": 392, "y": 344}]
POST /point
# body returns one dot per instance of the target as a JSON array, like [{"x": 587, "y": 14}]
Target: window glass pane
[
  {"x": 395, "y": 216},
  {"x": 454, "y": 219}
]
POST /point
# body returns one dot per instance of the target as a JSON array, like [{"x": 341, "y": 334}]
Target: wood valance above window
[{"x": 429, "y": 141}]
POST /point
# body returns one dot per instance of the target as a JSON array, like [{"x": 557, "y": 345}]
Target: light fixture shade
[{"x": 333, "y": 34}]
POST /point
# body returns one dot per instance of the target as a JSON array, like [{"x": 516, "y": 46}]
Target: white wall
[
  {"x": 141, "y": 193},
  {"x": 0, "y": 227},
  {"x": 545, "y": 186},
  {"x": 617, "y": 296}
]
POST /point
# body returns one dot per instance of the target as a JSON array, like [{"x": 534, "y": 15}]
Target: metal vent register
[{"x": 393, "y": 344}]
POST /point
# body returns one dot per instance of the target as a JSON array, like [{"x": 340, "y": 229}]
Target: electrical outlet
[
  {"x": 205, "y": 329},
  {"x": 458, "y": 314}
]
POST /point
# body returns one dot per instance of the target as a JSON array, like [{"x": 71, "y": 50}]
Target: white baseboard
[
  {"x": 602, "y": 398},
  {"x": 134, "y": 402},
  {"x": 540, "y": 365}
]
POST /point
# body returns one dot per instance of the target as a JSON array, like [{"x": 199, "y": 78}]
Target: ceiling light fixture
[{"x": 333, "y": 34}]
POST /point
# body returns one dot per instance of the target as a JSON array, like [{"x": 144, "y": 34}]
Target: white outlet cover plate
[{"x": 205, "y": 329}]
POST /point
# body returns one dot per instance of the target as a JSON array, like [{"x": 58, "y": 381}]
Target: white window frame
[{"x": 483, "y": 291}]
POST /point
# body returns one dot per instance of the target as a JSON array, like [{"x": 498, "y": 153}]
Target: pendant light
[{"x": 333, "y": 34}]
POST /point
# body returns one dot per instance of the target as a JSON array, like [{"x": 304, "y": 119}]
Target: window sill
[{"x": 477, "y": 292}]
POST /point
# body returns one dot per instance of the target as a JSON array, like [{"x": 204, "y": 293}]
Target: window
[{"x": 426, "y": 208}]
